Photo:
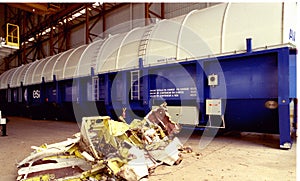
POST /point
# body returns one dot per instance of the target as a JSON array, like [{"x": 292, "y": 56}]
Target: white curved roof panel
[
  {"x": 37, "y": 73},
  {"x": 60, "y": 64},
  {"x": 221, "y": 29},
  {"x": 29, "y": 73},
  {"x": 72, "y": 63},
  {"x": 48, "y": 68},
  {"x": 197, "y": 37},
  {"x": 14, "y": 76},
  {"x": 4, "y": 78},
  {"x": 88, "y": 58},
  {"x": 18, "y": 76},
  {"x": 106, "y": 60},
  {"x": 259, "y": 21},
  {"x": 127, "y": 58},
  {"x": 163, "y": 41}
]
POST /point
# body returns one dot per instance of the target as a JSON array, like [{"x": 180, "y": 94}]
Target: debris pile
[{"x": 107, "y": 150}]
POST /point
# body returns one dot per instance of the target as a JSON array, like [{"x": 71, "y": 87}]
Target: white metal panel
[
  {"x": 47, "y": 72},
  {"x": 163, "y": 41},
  {"x": 200, "y": 33},
  {"x": 60, "y": 64},
  {"x": 4, "y": 78},
  {"x": 106, "y": 59},
  {"x": 290, "y": 22},
  {"x": 109, "y": 54},
  {"x": 13, "y": 76},
  {"x": 187, "y": 115},
  {"x": 16, "y": 82},
  {"x": 260, "y": 21},
  {"x": 72, "y": 62},
  {"x": 128, "y": 53},
  {"x": 13, "y": 81},
  {"x": 10, "y": 75},
  {"x": 88, "y": 58},
  {"x": 37, "y": 73},
  {"x": 30, "y": 72}
]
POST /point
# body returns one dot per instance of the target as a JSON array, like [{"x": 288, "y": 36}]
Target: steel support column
[
  {"x": 87, "y": 24},
  {"x": 51, "y": 45},
  {"x": 149, "y": 14},
  {"x": 23, "y": 45},
  {"x": 103, "y": 19},
  {"x": 283, "y": 99}
]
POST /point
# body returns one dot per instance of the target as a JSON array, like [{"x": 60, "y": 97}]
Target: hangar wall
[{"x": 131, "y": 16}]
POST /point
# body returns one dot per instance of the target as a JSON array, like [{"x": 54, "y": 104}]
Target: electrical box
[
  {"x": 214, "y": 107},
  {"x": 213, "y": 80}
]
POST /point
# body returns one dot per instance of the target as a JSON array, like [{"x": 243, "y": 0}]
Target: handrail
[{"x": 12, "y": 35}]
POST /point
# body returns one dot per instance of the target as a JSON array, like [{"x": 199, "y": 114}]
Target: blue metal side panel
[
  {"x": 244, "y": 77},
  {"x": 174, "y": 82},
  {"x": 107, "y": 99},
  {"x": 252, "y": 79},
  {"x": 251, "y": 115},
  {"x": 202, "y": 90},
  {"x": 293, "y": 76},
  {"x": 50, "y": 93}
]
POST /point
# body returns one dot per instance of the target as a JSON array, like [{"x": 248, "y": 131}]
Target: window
[
  {"x": 15, "y": 95},
  {"x": 20, "y": 93},
  {"x": 8, "y": 95}
]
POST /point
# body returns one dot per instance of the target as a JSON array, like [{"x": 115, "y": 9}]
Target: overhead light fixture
[
  {"x": 48, "y": 30},
  {"x": 76, "y": 15},
  {"x": 82, "y": 11}
]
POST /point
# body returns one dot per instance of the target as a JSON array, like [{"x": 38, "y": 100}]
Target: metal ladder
[
  {"x": 94, "y": 63},
  {"x": 135, "y": 85},
  {"x": 144, "y": 41},
  {"x": 95, "y": 88}
]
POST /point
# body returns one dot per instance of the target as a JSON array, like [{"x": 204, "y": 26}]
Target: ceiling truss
[
  {"x": 52, "y": 22},
  {"x": 52, "y": 27}
]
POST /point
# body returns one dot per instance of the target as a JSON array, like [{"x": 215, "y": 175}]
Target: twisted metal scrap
[{"x": 107, "y": 149}]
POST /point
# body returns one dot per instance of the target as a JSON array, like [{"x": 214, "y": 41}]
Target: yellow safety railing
[{"x": 12, "y": 35}]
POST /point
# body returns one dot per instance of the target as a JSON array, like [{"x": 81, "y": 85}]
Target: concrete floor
[{"x": 233, "y": 156}]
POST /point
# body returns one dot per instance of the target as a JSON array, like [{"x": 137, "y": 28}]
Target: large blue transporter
[{"x": 211, "y": 72}]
